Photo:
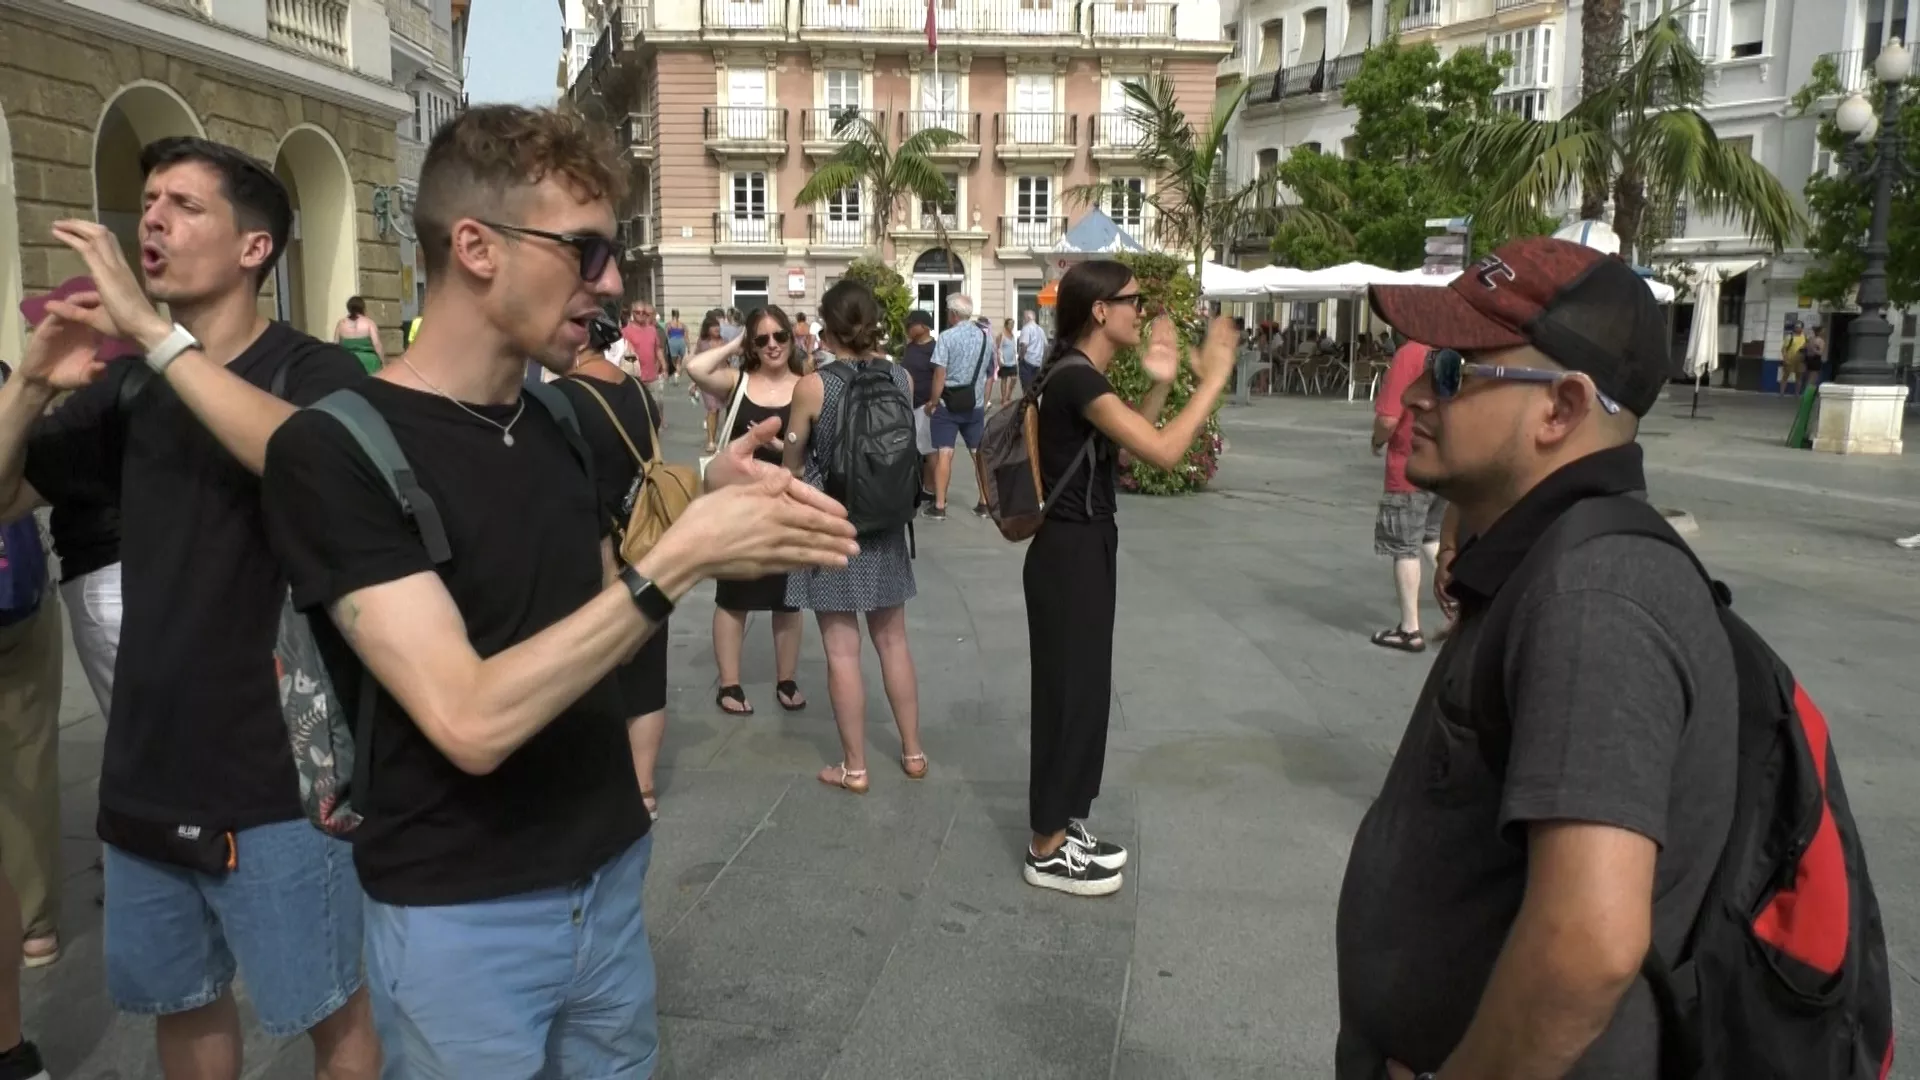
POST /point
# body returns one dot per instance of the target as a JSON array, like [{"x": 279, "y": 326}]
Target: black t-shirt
[
  {"x": 1064, "y": 428},
  {"x": 195, "y": 735},
  {"x": 614, "y": 468},
  {"x": 525, "y": 529},
  {"x": 85, "y": 517},
  {"x": 917, "y": 358}
]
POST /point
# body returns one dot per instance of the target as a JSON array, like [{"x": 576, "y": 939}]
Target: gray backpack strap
[
  {"x": 369, "y": 429},
  {"x": 549, "y": 397}
]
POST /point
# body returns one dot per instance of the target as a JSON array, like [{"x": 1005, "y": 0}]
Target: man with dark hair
[
  {"x": 209, "y": 862},
  {"x": 505, "y": 841},
  {"x": 1559, "y": 802}
]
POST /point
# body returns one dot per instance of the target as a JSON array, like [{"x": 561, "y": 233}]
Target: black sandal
[
  {"x": 733, "y": 693},
  {"x": 1403, "y": 640},
  {"x": 788, "y": 692}
]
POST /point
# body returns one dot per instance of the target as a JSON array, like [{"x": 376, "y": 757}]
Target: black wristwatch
[{"x": 653, "y": 603}]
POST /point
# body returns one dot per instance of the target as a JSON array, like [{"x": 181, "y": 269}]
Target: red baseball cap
[{"x": 1585, "y": 309}]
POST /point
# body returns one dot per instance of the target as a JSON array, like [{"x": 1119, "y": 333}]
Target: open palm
[
  {"x": 1161, "y": 358},
  {"x": 63, "y": 354}
]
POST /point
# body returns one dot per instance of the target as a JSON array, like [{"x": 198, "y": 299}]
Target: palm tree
[
  {"x": 1640, "y": 138},
  {"x": 864, "y": 160},
  {"x": 1600, "y": 59},
  {"x": 1195, "y": 205}
]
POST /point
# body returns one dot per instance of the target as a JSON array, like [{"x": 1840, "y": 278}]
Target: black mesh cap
[{"x": 1585, "y": 309}]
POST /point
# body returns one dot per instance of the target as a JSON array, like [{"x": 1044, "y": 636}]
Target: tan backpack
[{"x": 665, "y": 490}]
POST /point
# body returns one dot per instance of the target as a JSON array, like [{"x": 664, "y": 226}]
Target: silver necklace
[{"x": 506, "y": 429}]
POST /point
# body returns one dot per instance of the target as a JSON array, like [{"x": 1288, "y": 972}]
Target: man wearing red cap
[{"x": 1502, "y": 893}]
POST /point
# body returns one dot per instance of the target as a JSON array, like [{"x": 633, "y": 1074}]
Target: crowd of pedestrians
[{"x": 487, "y": 916}]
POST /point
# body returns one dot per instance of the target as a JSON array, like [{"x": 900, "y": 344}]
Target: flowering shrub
[{"x": 1169, "y": 286}]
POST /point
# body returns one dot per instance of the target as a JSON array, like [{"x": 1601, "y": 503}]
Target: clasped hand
[{"x": 757, "y": 518}]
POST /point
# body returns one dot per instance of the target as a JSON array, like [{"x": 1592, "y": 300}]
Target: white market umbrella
[{"x": 1219, "y": 282}]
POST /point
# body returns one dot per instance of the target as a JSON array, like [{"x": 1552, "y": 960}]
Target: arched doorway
[
  {"x": 318, "y": 271},
  {"x": 12, "y": 330},
  {"x": 137, "y": 114},
  {"x": 937, "y": 274}
]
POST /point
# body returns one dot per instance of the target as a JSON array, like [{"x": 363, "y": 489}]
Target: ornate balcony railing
[
  {"x": 762, "y": 229},
  {"x": 746, "y": 123},
  {"x": 1037, "y": 129},
  {"x": 1027, "y": 231},
  {"x": 1145, "y": 20},
  {"x": 915, "y": 121},
  {"x": 317, "y": 28},
  {"x": 823, "y": 124}
]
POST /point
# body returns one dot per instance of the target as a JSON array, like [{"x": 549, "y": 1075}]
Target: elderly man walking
[{"x": 961, "y": 364}]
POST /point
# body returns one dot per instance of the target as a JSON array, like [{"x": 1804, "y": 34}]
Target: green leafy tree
[
  {"x": 1196, "y": 208},
  {"x": 1168, "y": 286},
  {"x": 1640, "y": 137},
  {"x": 887, "y": 174},
  {"x": 1382, "y": 191},
  {"x": 890, "y": 289},
  {"x": 1839, "y": 205}
]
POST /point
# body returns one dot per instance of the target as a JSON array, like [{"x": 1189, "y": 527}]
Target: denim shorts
[
  {"x": 289, "y": 914},
  {"x": 947, "y": 427},
  {"x": 558, "y": 982}
]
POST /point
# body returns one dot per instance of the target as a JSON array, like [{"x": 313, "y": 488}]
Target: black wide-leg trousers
[{"x": 1070, "y": 584}]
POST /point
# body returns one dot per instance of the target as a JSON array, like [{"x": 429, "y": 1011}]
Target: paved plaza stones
[{"x": 803, "y": 933}]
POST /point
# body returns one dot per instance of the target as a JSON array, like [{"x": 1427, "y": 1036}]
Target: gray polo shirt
[{"x": 1621, "y": 689}]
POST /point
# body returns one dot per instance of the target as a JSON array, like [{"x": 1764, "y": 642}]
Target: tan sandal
[
  {"x": 41, "y": 951},
  {"x": 906, "y": 766},
  {"x": 854, "y": 780}
]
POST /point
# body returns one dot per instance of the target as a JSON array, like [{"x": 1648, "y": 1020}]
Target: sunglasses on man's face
[
  {"x": 595, "y": 251},
  {"x": 1449, "y": 370},
  {"x": 765, "y": 340}
]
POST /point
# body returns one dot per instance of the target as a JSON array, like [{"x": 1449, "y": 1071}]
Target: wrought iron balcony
[
  {"x": 1132, "y": 20},
  {"x": 1032, "y": 232},
  {"x": 1036, "y": 134},
  {"x": 823, "y": 124},
  {"x": 967, "y": 124},
  {"x": 748, "y": 230},
  {"x": 753, "y": 129},
  {"x": 841, "y": 230}
]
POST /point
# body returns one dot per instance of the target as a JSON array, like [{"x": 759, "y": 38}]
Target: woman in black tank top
[
  {"x": 611, "y": 404},
  {"x": 770, "y": 365}
]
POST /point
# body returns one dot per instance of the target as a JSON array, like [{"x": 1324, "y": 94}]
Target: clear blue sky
[{"x": 514, "y": 49}]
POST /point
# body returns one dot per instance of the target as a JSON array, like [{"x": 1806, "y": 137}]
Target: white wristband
[{"x": 170, "y": 349}]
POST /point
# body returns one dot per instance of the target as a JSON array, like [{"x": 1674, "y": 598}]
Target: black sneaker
[
  {"x": 936, "y": 513},
  {"x": 1100, "y": 852},
  {"x": 982, "y": 511},
  {"x": 1068, "y": 870},
  {"x": 22, "y": 1063}
]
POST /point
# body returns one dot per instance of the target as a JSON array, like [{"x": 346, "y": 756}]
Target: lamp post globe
[
  {"x": 1894, "y": 63},
  {"x": 1854, "y": 114}
]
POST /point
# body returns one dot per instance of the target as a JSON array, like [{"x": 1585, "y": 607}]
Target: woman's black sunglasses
[
  {"x": 595, "y": 251},
  {"x": 1136, "y": 300},
  {"x": 765, "y": 340}
]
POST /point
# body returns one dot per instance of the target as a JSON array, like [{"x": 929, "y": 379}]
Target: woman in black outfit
[
  {"x": 596, "y": 387},
  {"x": 771, "y": 364},
  {"x": 1069, "y": 576}
]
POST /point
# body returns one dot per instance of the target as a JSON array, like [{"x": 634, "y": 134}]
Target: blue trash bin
[{"x": 1770, "y": 376}]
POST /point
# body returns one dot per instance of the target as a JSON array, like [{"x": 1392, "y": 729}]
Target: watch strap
[
  {"x": 170, "y": 348},
  {"x": 653, "y": 603}
]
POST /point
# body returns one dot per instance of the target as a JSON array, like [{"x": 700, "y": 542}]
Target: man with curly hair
[{"x": 505, "y": 841}]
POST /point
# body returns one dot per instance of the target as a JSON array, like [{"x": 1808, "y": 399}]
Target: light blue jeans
[
  {"x": 556, "y": 983},
  {"x": 289, "y": 913}
]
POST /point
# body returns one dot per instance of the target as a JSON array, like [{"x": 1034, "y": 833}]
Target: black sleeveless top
[{"x": 751, "y": 414}]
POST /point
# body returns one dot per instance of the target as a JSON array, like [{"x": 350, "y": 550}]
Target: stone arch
[
  {"x": 12, "y": 327},
  {"x": 319, "y": 269},
  {"x": 135, "y": 115}
]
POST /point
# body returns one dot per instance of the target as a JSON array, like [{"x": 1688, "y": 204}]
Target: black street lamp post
[{"x": 1877, "y": 153}]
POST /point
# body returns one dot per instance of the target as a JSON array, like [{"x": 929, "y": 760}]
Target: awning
[
  {"x": 1049, "y": 294},
  {"x": 1724, "y": 269}
]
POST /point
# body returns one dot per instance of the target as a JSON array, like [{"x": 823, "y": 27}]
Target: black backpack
[
  {"x": 874, "y": 469},
  {"x": 1784, "y": 974}
]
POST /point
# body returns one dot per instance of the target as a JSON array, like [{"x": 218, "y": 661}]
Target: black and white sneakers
[
  {"x": 1107, "y": 856},
  {"x": 1069, "y": 870}
]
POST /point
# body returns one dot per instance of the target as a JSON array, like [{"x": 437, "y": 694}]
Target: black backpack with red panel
[{"x": 1784, "y": 975}]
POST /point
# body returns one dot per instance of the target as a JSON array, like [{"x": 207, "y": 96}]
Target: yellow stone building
[{"x": 305, "y": 85}]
